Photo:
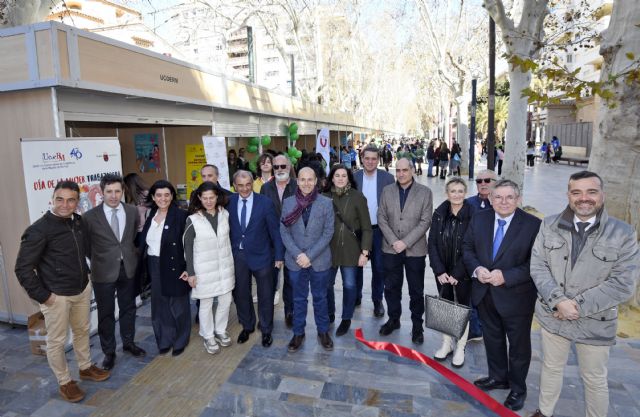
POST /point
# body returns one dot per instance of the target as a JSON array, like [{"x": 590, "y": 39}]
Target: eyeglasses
[
  {"x": 485, "y": 180},
  {"x": 280, "y": 166}
]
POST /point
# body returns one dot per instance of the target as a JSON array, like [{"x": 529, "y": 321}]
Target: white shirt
[
  {"x": 591, "y": 222},
  {"x": 506, "y": 226},
  {"x": 122, "y": 218},
  {"x": 370, "y": 190},
  {"x": 154, "y": 238}
]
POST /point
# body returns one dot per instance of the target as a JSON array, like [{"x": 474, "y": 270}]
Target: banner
[
  {"x": 323, "y": 145},
  {"x": 194, "y": 160},
  {"x": 147, "y": 152},
  {"x": 215, "y": 149}
]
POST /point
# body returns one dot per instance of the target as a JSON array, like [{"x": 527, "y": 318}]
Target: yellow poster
[{"x": 195, "y": 159}]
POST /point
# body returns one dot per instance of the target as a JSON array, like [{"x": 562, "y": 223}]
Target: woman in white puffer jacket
[{"x": 210, "y": 263}]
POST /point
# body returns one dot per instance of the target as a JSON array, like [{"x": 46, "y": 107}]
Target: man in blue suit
[
  {"x": 257, "y": 248},
  {"x": 370, "y": 182},
  {"x": 497, "y": 252}
]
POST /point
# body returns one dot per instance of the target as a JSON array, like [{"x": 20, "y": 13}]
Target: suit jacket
[
  {"x": 172, "y": 262},
  {"x": 270, "y": 189},
  {"x": 409, "y": 225},
  {"x": 517, "y": 295},
  {"x": 104, "y": 249},
  {"x": 262, "y": 243},
  {"x": 383, "y": 179},
  {"x": 313, "y": 239}
]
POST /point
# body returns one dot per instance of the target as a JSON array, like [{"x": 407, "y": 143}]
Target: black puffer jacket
[{"x": 52, "y": 258}]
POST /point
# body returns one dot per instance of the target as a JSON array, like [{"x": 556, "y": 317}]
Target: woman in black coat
[
  {"x": 163, "y": 255},
  {"x": 448, "y": 226}
]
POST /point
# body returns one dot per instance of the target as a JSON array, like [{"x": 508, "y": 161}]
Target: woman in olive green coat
[{"x": 351, "y": 242}]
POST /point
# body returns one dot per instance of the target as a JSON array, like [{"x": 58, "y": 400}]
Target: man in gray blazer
[
  {"x": 110, "y": 230},
  {"x": 370, "y": 182},
  {"x": 404, "y": 216},
  {"x": 306, "y": 229}
]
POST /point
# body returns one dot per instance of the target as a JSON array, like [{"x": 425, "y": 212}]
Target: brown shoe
[
  {"x": 93, "y": 373},
  {"x": 71, "y": 392},
  {"x": 538, "y": 413}
]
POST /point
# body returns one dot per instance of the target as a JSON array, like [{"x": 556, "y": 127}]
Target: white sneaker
[
  {"x": 223, "y": 339},
  {"x": 276, "y": 298},
  {"x": 211, "y": 346}
]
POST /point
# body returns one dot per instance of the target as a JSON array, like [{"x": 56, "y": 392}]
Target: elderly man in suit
[
  {"x": 307, "y": 229},
  {"x": 278, "y": 190},
  {"x": 257, "y": 249},
  {"x": 496, "y": 252},
  {"x": 370, "y": 181},
  {"x": 404, "y": 217},
  {"x": 110, "y": 234}
]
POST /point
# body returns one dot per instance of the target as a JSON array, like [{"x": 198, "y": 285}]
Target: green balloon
[
  {"x": 293, "y": 160},
  {"x": 294, "y": 136},
  {"x": 266, "y": 140},
  {"x": 292, "y": 152},
  {"x": 252, "y": 148},
  {"x": 254, "y": 141},
  {"x": 298, "y": 153},
  {"x": 253, "y": 166},
  {"x": 293, "y": 128}
]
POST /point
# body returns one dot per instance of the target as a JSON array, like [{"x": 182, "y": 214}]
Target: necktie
[
  {"x": 243, "y": 216},
  {"x": 499, "y": 236},
  {"x": 578, "y": 242},
  {"x": 115, "y": 224},
  {"x": 582, "y": 227}
]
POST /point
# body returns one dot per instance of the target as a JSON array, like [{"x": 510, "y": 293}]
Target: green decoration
[
  {"x": 254, "y": 141},
  {"x": 292, "y": 152},
  {"x": 293, "y": 128},
  {"x": 253, "y": 166},
  {"x": 266, "y": 140},
  {"x": 293, "y": 160},
  {"x": 294, "y": 136},
  {"x": 298, "y": 153},
  {"x": 252, "y": 148}
]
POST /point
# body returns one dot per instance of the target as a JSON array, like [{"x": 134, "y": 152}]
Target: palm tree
[{"x": 501, "y": 113}]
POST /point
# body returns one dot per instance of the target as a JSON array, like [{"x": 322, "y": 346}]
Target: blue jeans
[
  {"x": 301, "y": 280},
  {"x": 430, "y": 168},
  {"x": 377, "y": 269},
  {"x": 348, "y": 291}
]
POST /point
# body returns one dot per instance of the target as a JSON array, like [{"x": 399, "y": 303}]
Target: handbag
[
  {"x": 356, "y": 233},
  {"x": 446, "y": 316}
]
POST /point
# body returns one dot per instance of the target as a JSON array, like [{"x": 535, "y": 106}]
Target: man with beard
[
  {"x": 284, "y": 186},
  {"x": 584, "y": 264}
]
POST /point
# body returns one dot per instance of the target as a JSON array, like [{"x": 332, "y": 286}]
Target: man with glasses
[
  {"x": 496, "y": 252},
  {"x": 282, "y": 187},
  {"x": 484, "y": 183}
]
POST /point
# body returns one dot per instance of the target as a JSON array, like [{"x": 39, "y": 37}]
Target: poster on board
[
  {"x": 46, "y": 162},
  {"x": 194, "y": 160},
  {"x": 215, "y": 149},
  {"x": 147, "y": 152}
]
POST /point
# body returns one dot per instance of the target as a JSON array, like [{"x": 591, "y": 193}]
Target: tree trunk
[
  {"x": 516, "y": 140},
  {"x": 615, "y": 154},
  {"x": 462, "y": 103}
]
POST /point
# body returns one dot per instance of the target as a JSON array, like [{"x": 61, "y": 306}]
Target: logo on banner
[
  {"x": 53, "y": 157},
  {"x": 75, "y": 153},
  {"x": 105, "y": 156},
  {"x": 323, "y": 142}
]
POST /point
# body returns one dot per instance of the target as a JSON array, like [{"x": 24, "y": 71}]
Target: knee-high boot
[{"x": 458, "y": 355}]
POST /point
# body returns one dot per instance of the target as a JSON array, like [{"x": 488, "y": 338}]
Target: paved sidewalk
[{"x": 351, "y": 380}]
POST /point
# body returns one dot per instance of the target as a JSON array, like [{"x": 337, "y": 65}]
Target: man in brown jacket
[{"x": 404, "y": 217}]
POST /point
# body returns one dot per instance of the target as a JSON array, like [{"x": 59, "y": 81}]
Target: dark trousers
[
  {"x": 504, "y": 364},
  {"x": 287, "y": 290},
  {"x": 242, "y": 294},
  {"x": 395, "y": 267},
  {"x": 301, "y": 281},
  {"x": 377, "y": 269},
  {"x": 170, "y": 316},
  {"x": 105, "y": 294},
  {"x": 530, "y": 160}
]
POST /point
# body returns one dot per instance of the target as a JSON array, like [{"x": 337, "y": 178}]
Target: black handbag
[{"x": 446, "y": 316}]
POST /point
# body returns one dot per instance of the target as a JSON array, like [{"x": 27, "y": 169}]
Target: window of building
[{"x": 569, "y": 58}]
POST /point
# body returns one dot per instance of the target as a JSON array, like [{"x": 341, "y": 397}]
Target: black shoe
[
  {"x": 296, "y": 343},
  {"x": 515, "y": 401},
  {"x": 358, "y": 301},
  {"x": 164, "y": 351},
  {"x": 417, "y": 337},
  {"x": 267, "y": 340},
  {"x": 135, "y": 350},
  {"x": 177, "y": 352},
  {"x": 325, "y": 341},
  {"x": 487, "y": 384},
  {"x": 109, "y": 361},
  {"x": 332, "y": 318},
  {"x": 288, "y": 320},
  {"x": 244, "y": 335},
  {"x": 343, "y": 328},
  {"x": 378, "y": 309},
  {"x": 388, "y": 328}
]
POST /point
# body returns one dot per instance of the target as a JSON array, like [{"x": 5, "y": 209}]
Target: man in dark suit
[
  {"x": 110, "y": 234},
  {"x": 210, "y": 173},
  {"x": 370, "y": 182},
  {"x": 497, "y": 252},
  {"x": 282, "y": 187},
  {"x": 257, "y": 249}
]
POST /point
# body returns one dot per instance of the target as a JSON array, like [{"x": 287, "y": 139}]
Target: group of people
[{"x": 574, "y": 269}]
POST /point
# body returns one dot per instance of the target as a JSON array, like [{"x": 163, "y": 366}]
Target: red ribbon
[{"x": 475, "y": 392}]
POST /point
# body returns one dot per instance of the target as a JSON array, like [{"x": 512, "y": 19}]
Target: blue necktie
[
  {"x": 499, "y": 236},
  {"x": 243, "y": 216}
]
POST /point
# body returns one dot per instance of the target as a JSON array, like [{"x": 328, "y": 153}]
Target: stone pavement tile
[
  {"x": 345, "y": 393},
  {"x": 61, "y": 408},
  {"x": 6, "y": 397},
  {"x": 391, "y": 412},
  {"x": 26, "y": 402},
  {"x": 251, "y": 378},
  {"x": 626, "y": 411},
  {"x": 102, "y": 396},
  {"x": 301, "y": 387}
]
